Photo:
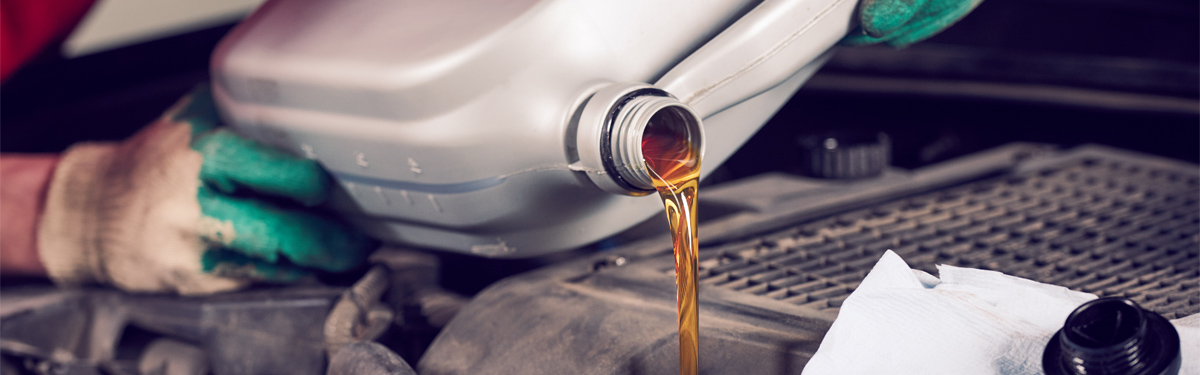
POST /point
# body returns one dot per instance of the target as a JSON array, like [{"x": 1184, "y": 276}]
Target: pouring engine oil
[{"x": 674, "y": 165}]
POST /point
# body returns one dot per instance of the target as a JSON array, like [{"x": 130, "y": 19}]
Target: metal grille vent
[{"x": 1101, "y": 227}]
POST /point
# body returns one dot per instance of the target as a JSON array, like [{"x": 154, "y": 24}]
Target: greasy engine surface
[{"x": 1094, "y": 219}]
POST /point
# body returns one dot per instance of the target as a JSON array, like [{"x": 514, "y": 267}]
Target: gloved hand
[
  {"x": 901, "y": 23},
  {"x": 180, "y": 207}
]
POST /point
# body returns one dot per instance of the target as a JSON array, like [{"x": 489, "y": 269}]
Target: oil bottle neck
[{"x": 611, "y": 131}]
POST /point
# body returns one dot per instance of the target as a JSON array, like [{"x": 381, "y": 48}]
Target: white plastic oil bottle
[{"x": 510, "y": 128}]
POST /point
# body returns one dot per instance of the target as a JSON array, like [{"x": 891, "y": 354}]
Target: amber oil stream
[{"x": 674, "y": 164}]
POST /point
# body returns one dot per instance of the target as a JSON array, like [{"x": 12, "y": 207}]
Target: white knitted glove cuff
[{"x": 68, "y": 237}]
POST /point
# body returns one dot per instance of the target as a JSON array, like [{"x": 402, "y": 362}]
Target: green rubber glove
[
  {"x": 901, "y": 23},
  {"x": 190, "y": 207}
]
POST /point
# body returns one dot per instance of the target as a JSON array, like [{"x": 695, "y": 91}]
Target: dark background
[{"x": 1065, "y": 72}]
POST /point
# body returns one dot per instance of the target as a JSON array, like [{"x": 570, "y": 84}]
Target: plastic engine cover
[{"x": 776, "y": 266}]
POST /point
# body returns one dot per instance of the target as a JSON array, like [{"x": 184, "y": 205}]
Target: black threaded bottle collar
[{"x": 1113, "y": 336}]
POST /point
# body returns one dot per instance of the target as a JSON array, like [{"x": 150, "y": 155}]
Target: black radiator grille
[{"x": 1097, "y": 226}]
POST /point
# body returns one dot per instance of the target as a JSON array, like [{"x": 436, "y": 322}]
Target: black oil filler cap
[
  {"x": 1113, "y": 336},
  {"x": 844, "y": 154}
]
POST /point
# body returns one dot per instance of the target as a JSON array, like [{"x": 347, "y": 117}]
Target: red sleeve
[{"x": 28, "y": 26}]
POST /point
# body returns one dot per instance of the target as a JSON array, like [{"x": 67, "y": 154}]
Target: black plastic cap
[
  {"x": 1113, "y": 336},
  {"x": 844, "y": 154}
]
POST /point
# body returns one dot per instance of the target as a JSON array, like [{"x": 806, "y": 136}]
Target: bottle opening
[
  {"x": 622, "y": 124},
  {"x": 655, "y": 132},
  {"x": 670, "y": 147}
]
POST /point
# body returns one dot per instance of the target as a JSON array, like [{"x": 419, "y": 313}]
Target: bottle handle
[{"x": 758, "y": 52}]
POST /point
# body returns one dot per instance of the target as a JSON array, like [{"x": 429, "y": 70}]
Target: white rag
[{"x": 905, "y": 321}]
